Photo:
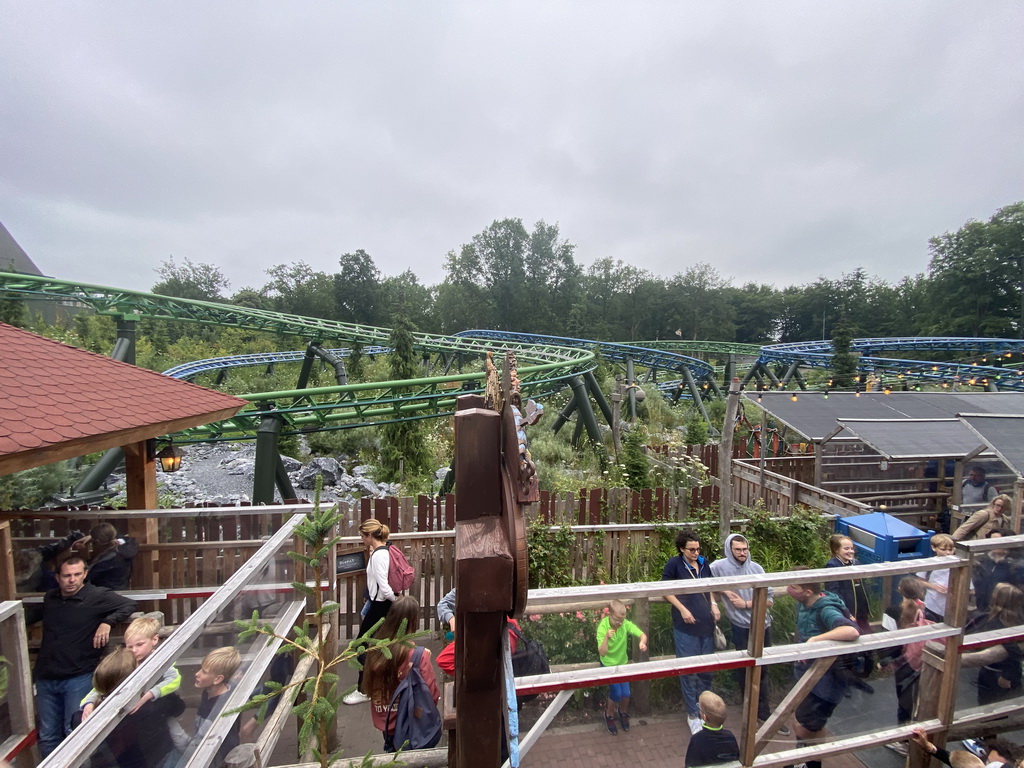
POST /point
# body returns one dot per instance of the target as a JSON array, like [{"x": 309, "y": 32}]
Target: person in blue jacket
[{"x": 693, "y": 620}]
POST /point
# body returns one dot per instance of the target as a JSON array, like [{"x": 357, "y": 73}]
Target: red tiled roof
[{"x": 57, "y": 401}]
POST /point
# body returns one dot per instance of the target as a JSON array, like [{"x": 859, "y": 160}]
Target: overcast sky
[{"x": 778, "y": 142}]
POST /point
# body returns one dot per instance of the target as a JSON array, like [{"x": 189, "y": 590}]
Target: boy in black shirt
[{"x": 713, "y": 744}]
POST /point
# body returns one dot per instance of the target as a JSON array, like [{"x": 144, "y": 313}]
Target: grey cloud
[{"x": 778, "y": 143}]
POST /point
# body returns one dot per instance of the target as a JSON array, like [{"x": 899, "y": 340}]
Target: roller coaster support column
[
  {"x": 340, "y": 374},
  {"x": 586, "y": 413},
  {"x": 793, "y": 372},
  {"x": 730, "y": 370},
  {"x": 630, "y": 380},
  {"x": 268, "y": 461},
  {"x": 126, "y": 329},
  {"x": 307, "y": 365},
  {"x": 732, "y": 406},
  {"x": 695, "y": 393},
  {"x": 598, "y": 395},
  {"x": 760, "y": 368}
]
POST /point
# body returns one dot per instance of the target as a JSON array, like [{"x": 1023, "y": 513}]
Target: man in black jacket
[{"x": 77, "y": 618}]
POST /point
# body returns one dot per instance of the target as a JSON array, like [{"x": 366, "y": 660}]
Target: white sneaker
[
  {"x": 695, "y": 724},
  {"x": 356, "y": 697}
]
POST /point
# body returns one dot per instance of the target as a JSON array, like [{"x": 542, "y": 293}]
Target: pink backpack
[
  {"x": 400, "y": 574},
  {"x": 912, "y": 651}
]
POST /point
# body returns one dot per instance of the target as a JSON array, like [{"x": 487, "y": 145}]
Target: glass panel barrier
[{"x": 210, "y": 683}]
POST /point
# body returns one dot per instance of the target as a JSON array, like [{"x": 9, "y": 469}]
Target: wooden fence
[{"x": 779, "y": 494}]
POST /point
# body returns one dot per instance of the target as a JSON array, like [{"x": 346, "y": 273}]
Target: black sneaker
[
  {"x": 611, "y": 725},
  {"x": 624, "y": 719}
]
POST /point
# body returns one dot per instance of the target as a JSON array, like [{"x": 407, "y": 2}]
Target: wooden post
[
  {"x": 725, "y": 459},
  {"x": 755, "y": 647},
  {"x": 1018, "y": 500},
  {"x": 14, "y": 642},
  {"x": 8, "y": 579},
  {"x": 642, "y": 688},
  {"x": 484, "y": 575},
  {"x": 140, "y": 480}
]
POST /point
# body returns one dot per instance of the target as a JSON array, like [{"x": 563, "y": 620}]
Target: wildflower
[
  {"x": 534, "y": 617},
  {"x": 580, "y": 616}
]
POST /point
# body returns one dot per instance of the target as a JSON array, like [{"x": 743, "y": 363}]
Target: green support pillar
[
  {"x": 586, "y": 414},
  {"x": 283, "y": 482},
  {"x": 126, "y": 330},
  {"x": 564, "y": 416},
  {"x": 631, "y": 379},
  {"x": 307, "y": 365},
  {"x": 793, "y": 370},
  {"x": 695, "y": 394},
  {"x": 267, "y": 459},
  {"x": 598, "y": 395}
]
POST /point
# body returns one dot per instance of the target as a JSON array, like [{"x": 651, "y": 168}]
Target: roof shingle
[{"x": 51, "y": 394}]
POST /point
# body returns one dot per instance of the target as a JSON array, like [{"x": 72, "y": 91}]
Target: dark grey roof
[
  {"x": 13, "y": 257},
  {"x": 1003, "y": 434},
  {"x": 916, "y": 438},
  {"x": 814, "y": 416}
]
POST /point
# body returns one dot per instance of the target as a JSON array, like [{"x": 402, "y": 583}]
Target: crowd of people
[{"x": 73, "y": 673}]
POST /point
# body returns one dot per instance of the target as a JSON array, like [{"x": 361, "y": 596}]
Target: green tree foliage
[
  {"x": 977, "y": 277},
  {"x": 203, "y": 282},
  {"x": 844, "y": 363},
  {"x": 34, "y": 487},
  {"x": 358, "y": 290},
  {"x": 507, "y": 278},
  {"x": 404, "y": 295},
  {"x": 12, "y": 310},
  {"x": 403, "y": 450},
  {"x": 699, "y": 306},
  {"x": 298, "y": 289},
  {"x": 636, "y": 466}
]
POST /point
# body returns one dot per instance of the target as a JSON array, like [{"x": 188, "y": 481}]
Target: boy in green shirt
[{"x": 613, "y": 633}]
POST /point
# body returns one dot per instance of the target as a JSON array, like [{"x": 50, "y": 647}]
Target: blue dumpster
[{"x": 879, "y": 537}]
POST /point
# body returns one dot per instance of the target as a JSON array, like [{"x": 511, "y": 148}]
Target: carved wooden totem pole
[{"x": 494, "y": 477}]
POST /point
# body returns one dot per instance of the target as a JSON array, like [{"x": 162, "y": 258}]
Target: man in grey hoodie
[{"x": 738, "y": 604}]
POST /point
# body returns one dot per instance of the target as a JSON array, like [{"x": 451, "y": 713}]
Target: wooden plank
[
  {"x": 14, "y": 647},
  {"x": 8, "y": 580}
]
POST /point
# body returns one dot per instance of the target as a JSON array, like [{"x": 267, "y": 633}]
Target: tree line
[{"x": 509, "y": 277}]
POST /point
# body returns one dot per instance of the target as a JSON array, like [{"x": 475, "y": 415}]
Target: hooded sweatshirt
[
  {"x": 730, "y": 566},
  {"x": 827, "y": 613}
]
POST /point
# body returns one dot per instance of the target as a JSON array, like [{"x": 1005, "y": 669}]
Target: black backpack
[
  {"x": 529, "y": 659},
  {"x": 417, "y": 719}
]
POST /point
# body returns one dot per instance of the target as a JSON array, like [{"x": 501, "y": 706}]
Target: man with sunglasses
[{"x": 693, "y": 620}]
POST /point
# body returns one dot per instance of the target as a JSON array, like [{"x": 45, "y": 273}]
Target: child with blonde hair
[
  {"x": 713, "y": 743},
  {"x": 213, "y": 678},
  {"x": 143, "y": 736},
  {"x": 141, "y": 638},
  {"x": 613, "y": 633},
  {"x": 936, "y": 583}
]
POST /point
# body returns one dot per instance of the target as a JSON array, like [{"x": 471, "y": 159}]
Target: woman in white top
[{"x": 379, "y": 594}]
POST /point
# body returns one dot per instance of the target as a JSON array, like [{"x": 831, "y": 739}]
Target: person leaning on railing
[{"x": 982, "y": 522}]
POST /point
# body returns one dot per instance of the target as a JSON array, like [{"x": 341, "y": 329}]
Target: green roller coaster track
[{"x": 543, "y": 369}]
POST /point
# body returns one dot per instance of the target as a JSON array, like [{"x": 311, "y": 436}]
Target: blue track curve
[{"x": 818, "y": 354}]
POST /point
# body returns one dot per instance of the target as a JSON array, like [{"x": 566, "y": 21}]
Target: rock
[
  {"x": 290, "y": 464},
  {"x": 325, "y": 467}
]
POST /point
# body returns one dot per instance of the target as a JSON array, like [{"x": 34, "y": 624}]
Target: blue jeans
[
  {"x": 693, "y": 685},
  {"x": 741, "y": 639},
  {"x": 56, "y": 702}
]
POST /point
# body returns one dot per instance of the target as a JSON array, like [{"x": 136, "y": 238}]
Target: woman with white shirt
[{"x": 379, "y": 595}]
